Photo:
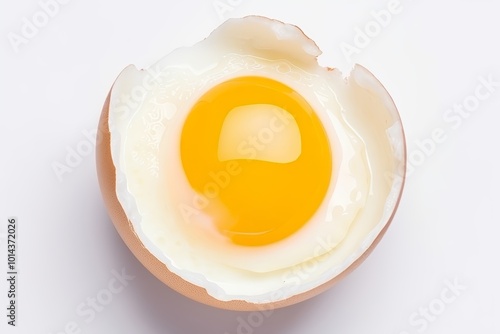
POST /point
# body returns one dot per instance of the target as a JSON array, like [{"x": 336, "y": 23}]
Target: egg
[{"x": 244, "y": 175}]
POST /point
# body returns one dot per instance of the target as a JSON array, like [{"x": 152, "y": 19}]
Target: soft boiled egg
[{"x": 244, "y": 175}]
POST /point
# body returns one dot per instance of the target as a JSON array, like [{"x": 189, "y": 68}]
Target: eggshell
[
  {"x": 106, "y": 175},
  {"x": 107, "y": 179}
]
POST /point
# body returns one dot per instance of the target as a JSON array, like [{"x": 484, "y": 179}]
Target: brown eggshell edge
[{"x": 107, "y": 176}]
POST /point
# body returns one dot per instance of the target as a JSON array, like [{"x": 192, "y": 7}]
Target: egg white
[{"x": 362, "y": 125}]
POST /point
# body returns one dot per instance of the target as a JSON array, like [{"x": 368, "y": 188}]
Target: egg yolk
[{"x": 258, "y": 156}]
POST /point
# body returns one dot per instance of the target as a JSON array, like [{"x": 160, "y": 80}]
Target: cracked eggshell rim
[{"x": 106, "y": 172}]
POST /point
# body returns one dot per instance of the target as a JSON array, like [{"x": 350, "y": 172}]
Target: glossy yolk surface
[{"x": 258, "y": 156}]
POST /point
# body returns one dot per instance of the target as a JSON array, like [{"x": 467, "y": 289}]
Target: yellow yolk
[{"x": 258, "y": 155}]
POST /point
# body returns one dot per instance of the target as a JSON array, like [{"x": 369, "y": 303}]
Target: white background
[{"x": 430, "y": 57}]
